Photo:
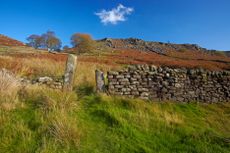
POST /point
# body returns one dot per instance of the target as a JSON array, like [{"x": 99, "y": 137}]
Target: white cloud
[{"x": 115, "y": 15}]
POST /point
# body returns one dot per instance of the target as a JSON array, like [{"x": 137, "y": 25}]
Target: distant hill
[
  {"x": 157, "y": 47},
  {"x": 137, "y": 51},
  {"x": 7, "y": 41}
]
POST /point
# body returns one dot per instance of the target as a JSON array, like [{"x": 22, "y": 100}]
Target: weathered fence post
[
  {"x": 100, "y": 81},
  {"x": 69, "y": 72}
]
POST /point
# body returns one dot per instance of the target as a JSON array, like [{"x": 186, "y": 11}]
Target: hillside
[
  {"x": 137, "y": 51},
  {"x": 36, "y": 118},
  {"x": 7, "y": 41},
  {"x": 151, "y": 46},
  {"x": 83, "y": 122},
  {"x": 118, "y": 52}
]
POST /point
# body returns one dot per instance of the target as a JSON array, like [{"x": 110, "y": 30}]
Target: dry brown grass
[
  {"x": 53, "y": 65},
  {"x": 44, "y": 67},
  {"x": 9, "y": 87},
  {"x": 9, "y": 84},
  {"x": 42, "y": 63},
  {"x": 173, "y": 59},
  {"x": 33, "y": 66},
  {"x": 86, "y": 71},
  {"x": 199, "y": 55},
  {"x": 56, "y": 107}
]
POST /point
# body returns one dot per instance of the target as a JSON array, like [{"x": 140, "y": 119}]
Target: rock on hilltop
[{"x": 157, "y": 47}]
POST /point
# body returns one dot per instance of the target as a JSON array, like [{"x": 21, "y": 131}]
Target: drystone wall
[
  {"x": 8, "y": 76},
  {"x": 172, "y": 84},
  {"x": 46, "y": 81}
]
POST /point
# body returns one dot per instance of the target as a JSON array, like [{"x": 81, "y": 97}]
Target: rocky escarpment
[
  {"x": 164, "y": 83},
  {"x": 157, "y": 47}
]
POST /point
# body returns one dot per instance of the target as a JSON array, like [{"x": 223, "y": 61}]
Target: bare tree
[
  {"x": 47, "y": 40},
  {"x": 34, "y": 41},
  {"x": 50, "y": 41}
]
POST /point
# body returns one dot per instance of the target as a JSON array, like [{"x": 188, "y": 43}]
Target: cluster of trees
[
  {"x": 81, "y": 43},
  {"x": 48, "y": 41}
]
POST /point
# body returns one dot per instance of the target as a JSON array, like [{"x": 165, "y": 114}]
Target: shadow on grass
[
  {"x": 85, "y": 89},
  {"x": 106, "y": 117}
]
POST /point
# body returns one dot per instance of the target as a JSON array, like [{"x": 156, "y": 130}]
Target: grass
[
  {"x": 42, "y": 120},
  {"x": 83, "y": 121},
  {"x": 43, "y": 124},
  {"x": 85, "y": 72},
  {"x": 33, "y": 67},
  {"x": 9, "y": 86},
  {"x": 124, "y": 125},
  {"x": 3, "y": 49}
]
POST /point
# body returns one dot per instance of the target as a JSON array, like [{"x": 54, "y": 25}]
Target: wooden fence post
[
  {"x": 100, "y": 81},
  {"x": 71, "y": 65}
]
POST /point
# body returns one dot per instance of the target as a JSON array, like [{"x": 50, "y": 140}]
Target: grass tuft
[
  {"x": 64, "y": 131},
  {"x": 9, "y": 87}
]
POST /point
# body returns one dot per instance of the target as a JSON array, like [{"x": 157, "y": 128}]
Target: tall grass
[
  {"x": 85, "y": 72},
  {"x": 44, "y": 67},
  {"x": 9, "y": 84},
  {"x": 9, "y": 87},
  {"x": 45, "y": 124},
  {"x": 55, "y": 121},
  {"x": 82, "y": 121},
  {"x": 123, "y": 125},
  {"x": 33, "y": 67}
]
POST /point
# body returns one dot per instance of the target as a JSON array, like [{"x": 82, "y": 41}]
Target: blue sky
[{"x": 204, "y": 22}]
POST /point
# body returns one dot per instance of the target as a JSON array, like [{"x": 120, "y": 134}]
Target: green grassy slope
[{"x": 50, "y": 121}]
